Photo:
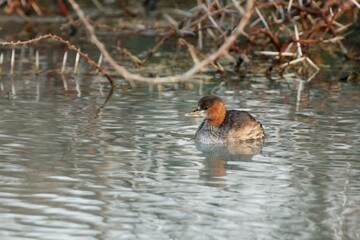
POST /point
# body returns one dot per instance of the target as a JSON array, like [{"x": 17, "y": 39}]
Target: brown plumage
[{"x": 221, "y": 125}]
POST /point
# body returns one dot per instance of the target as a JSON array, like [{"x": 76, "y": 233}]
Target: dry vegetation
[{"x": 236, "y": 30}]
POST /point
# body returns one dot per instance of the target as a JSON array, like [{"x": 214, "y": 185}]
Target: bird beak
[{"x": 198, "y": 112}]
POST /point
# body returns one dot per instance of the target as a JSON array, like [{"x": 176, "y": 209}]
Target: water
[{"x": 72, "y": 168}]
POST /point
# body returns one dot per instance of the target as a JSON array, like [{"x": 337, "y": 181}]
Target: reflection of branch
[
  {"x": 98, "y": 111},
  {"x": 69, "y": 46},
  {"x": 131, "y": 77}
]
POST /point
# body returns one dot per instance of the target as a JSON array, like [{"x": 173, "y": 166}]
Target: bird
[{"x": 225, "y": 126}]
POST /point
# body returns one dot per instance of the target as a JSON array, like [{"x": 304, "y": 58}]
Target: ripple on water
[{"x": 132, "y": 170}]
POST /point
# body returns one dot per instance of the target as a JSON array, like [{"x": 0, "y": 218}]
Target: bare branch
[
  {"x": 131, "y": 77},
  {"x": 69, "y": 46}
]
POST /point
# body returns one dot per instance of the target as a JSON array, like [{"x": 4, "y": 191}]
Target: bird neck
[{"x": 216, "y": 114}]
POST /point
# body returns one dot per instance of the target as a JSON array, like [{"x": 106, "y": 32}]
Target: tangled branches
[
  {"x": 278, "y": 28},
  {"x": 238, "y": 30}
]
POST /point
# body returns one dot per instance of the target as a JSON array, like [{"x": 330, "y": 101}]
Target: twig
[
  {"x": 238, "y": 7},
  {"x": 301, "y": 59},
  {"x": 191, "y": 49},
  {"x": 212, "y": 19},
  {"x": 134, "y": 59},
  {"x": 1, "y": 62},
  {"x": 292, "y": 62},
  {"x": 12, "y": 63},
  {"x": 177, "y": 78},
  {"x": 99, "y": 62},
  {"x": 262, "y": 18},
  {"x": 76, "y": 65},
  {"x": 64, "y": 62},
  {"x": 98, "y": 5},
  {"x": 269, "y": 53},
  {"x": 37, "y": 62},
  {"x": 356, "y": 3},
  {"x": 69, "y": 46},
  {"x": 36, "y": 7},
  {"x": 298, "y": 45},
  {"x": 195, "y": 52},
  {"x": 200, "y": 38},
  {"x": 312, "y": 63},
  {"x": 289, "y": 6},
  {"x": 64, "y": 82}
]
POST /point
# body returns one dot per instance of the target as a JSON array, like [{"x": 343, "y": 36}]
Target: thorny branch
[
  {"x": 317, "y": 19},
  {"x": 69, "y": 46},
  {"x": 275, "y": 28},
  {"x": 131, "y": 77}
]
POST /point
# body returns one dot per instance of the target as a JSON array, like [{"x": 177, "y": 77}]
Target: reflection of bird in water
[
  {"x": 225, "y": 126},
  {"x": 231, "y": 150},
  {"x": 217, "y": 156}
]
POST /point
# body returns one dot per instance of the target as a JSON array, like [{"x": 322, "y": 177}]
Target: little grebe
[{"x": 222, "y": 126}]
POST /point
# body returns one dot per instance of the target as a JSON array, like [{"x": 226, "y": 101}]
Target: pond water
[
  {"x": 80, "y": 161},
  {"x": 73, "y": 167}
]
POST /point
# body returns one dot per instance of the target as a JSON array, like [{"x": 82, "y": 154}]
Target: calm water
[{"x": 72, "y": 169}]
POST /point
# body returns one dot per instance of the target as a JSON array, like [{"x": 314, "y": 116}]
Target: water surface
[{"x": 72, "y": 168}]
